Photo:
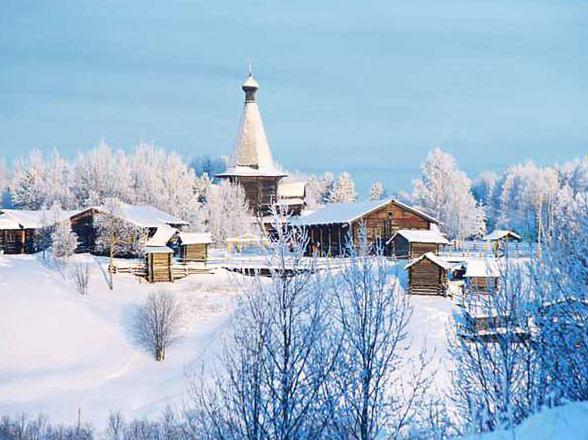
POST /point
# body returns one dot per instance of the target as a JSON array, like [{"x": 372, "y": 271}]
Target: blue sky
[{"x": 365, "y": 86}]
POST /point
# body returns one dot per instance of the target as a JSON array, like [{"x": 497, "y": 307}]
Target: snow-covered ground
[
  {"x": 568, "y": 422},
  {"x": 61, "y": 351}
]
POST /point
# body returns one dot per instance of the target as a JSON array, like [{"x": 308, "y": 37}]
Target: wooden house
[
  {"x": 159, "y": 263},
  {"x": 193, "y": 246},
  {"x": 412, "y": 243},
  {"x": 20, "y": 229},
  {"x": 252, "y": 165},
  {"x": 147, "y": 219},
  {"x": 427, "y": 275},
  {"x": 331, "y": 228},
  {"x": 481, "y": 276}
]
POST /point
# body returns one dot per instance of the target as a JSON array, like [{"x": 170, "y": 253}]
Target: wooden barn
[
  {"x": 193, "y": 246},
  {"x": 332, "y": 227},
  {"x": 252, "y": 165},
  {"x": 159, "y": 263},
  {"x": 146, "y": 219},
  {"x": 481, "y": 276},
  {"x": 428, "y": 275},
  {"x": 20, "y": 229},
  {"x": 412, "y": 243}
]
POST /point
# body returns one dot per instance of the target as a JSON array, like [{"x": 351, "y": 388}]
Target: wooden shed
[
  {"x": 331, "y": 228},
  {"x": 159, "y": 264},
  {"x": 412, "y": 243},
  {"x": 427, "y": 275},
  {"x": 292, "y": 196},
  {"x": 481, "y": 276},
  {"x": 193, "y": 246}
]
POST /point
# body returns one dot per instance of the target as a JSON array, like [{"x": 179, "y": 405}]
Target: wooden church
[{"x": 252, "y": 165}]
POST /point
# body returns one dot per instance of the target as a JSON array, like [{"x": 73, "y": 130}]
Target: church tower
[{"x": 251, "y": 164}]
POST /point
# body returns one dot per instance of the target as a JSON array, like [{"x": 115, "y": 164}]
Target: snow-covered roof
[
  {"x": 349, "y": 212},
  {"x": 290, "y": 202},
  {"x": 248, "y": 238},
  {"x": 195, "y": 237},
  {"x": 30, "y": 219},
  {"x": 252, "y": 155},
  {"x": 499, "y": 234},
  {"x": 146, "y": 216},
  {"x": 481, "y": 268},
  {"x": 162, "y": 236},
  {"x": 421, "y": 236},
  {"x": 291, "y": 190},
  {"x": 158, "y": 250},
  {"x": 433, "y": 258}
]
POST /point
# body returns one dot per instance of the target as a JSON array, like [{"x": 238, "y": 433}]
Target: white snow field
[{"x": 60, "y": 351}]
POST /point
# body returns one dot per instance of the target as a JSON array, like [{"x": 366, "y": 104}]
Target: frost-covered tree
[
  {"x": 343, "y": 191},
  {"x": 64, "y": 241},
  {"x": 211, "y": 166},
  {"x": 445, "y": 192},
  {"x": 526, "y": 194},
  {"x": 373, "y": 313},
  {"x": 479, "y": 221},
  {"x": 100, "y": 174},
  {"x": 227, "y": 214},
  {"x": 156, "y": 323},
  {"x": 495, "y": 373},
  {"x": 29, "y": 183},
  {"x": 377, "y": 191},
  {"x": 115, "y": 235},
  {"x": 277, "y": 361}
]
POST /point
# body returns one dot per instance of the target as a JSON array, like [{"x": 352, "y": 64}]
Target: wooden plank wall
[
  {"x": 426, "y": 278},
  {"x": 193, "y": 252},
  {"x": 159, "y": 267}
]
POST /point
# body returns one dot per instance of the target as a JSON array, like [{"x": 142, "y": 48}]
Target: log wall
[
  {"x": 193, "y": 252},
  {"x": 426, "y": 278},
  {"x": 159, "y": 267}
]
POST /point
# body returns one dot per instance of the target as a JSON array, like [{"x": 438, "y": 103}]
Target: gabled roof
[
  {"x": 252, "y": 155},
  {"x": 195, "y": 237},
  {"x": 144, "y": 216},
  {"x": 335, "y": 213},
  {"x": 434, "y": 259},
  {"x": 499, "y": 234},
  {"x": 421, "y": 236},
  {"x": 30, "y": 219},
  {"x": 481, "y": 268},
  {"x": 162, "y": 236}
]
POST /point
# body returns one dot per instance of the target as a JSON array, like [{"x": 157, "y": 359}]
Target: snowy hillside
[
  {"x": 63, "y": 351},
  {"x": 568, "y": 422}
]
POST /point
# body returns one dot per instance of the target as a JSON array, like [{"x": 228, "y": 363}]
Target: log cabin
[
  {"x": 428, "y": 275},
  {"x": 193, "y": 246},
  {"x": 411, "y": 243},
  {"x": 146, "y": 218},
  {"x": 481, "y": 276},
  {"x": 331, "y": 228},
  {"x": 20, "y": 229},
  {"x": 252, "y": 164}
]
